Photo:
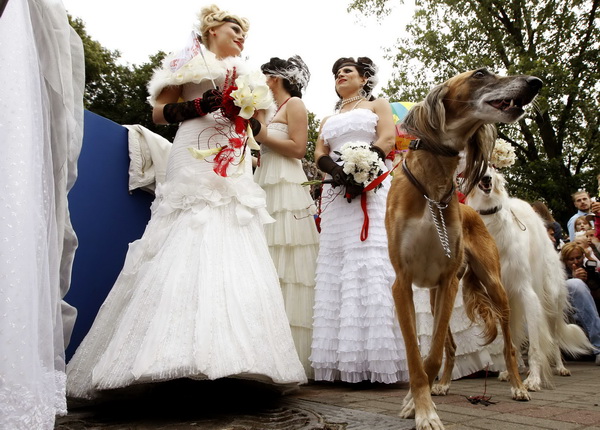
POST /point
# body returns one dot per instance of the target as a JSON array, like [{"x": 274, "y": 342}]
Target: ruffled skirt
[
  {"x": 471, "y": 355},
  {"x": 356, "y": 335},
  {"x": 293, "y": 243}
]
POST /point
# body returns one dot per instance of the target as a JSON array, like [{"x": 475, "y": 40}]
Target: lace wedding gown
[
  {"x": 198, "y": 296},
  {"x": 356, "y": 335},
  {"x": 293, "y": 238}
]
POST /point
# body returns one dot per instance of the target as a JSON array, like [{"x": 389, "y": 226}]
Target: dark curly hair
[
  {"x": 293, "y": 71},
  {"x": 365, "y": 68}
]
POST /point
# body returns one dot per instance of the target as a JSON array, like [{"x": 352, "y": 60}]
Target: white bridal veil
[{"x": 41, "y": 129}]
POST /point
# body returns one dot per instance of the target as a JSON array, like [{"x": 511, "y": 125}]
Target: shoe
[{"x": 598, "y": 360}]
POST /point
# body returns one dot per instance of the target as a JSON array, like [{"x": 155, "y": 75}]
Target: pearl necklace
[{"x": 350, "y": 100}]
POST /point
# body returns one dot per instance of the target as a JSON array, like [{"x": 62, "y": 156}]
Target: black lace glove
[
  {"x": 353, "y": 190},
  {"x": 327, "y": 165},
  {"x": 255, "y": 125},
  {"x": 178, "y": 112},
  {"x": 211, "y": 100},
  {"x": 379, "y": 152}
]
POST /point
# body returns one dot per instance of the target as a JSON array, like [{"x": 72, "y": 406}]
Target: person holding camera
[{"x": 584, "y": 291}]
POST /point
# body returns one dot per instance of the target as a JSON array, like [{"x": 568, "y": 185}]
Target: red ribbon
[
  {"x": 364, "y": 233},
  {"x": 222, "y": 161}
]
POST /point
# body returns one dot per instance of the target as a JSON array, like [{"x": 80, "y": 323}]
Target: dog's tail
[
  {"x": 479, "y": 307},
  {"x": 570, "y": 338}
]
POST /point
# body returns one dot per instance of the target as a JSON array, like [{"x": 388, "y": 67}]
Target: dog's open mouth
[
  {"x": 485, "y": 184},
  {"x": 506, "y": 104}
]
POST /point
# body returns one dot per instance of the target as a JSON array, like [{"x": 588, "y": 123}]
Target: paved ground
[{"x": 573, "y": 404}]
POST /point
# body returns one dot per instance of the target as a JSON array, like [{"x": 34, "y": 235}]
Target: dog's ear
[
  {"x": 428, "y": 114},
  {"x": 485, "y": 139},
  {"x": 499, "y": 182},
  {"x": 478, "y": 152},
  {"x": 434, "y": 105}
]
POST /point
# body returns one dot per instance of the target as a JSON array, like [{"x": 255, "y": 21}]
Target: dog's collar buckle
[{"x": 415, "y": 144}]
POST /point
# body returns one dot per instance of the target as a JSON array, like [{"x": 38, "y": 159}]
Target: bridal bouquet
[
  {"x": 362, "y": 164},
  {"x": 503, "y": 154},
  {"x": 242, "y": 96}
]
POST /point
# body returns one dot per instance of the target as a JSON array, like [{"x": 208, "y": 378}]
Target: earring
[{"x": 362, "y": 93}]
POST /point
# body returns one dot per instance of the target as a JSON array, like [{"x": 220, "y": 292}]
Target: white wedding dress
[
  {"x": 293, "y": 238},
  {"x": 198, "y": 296},
  {"x": 356, "y": 335}
]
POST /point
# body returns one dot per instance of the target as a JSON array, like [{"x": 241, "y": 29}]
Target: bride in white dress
[
  {"x": 356, "y": 335},
  {"x": 198, "y": 296},
  {"x": 293, "y": 238}
]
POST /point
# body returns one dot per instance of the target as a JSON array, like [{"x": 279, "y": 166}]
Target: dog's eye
[{"x": 479, "y": 74}]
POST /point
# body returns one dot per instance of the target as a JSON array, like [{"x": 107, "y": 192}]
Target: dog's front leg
[
  {"x": 442, "y": 387},
  {"x": 445, "y": 295},
  {"x": 418, "y": 402}
]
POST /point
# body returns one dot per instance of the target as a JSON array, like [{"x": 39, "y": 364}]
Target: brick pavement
[{"x": 573, "y": 404}]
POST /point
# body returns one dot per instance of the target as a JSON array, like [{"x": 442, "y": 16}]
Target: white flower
[
  {"x": 503, "y": 154},
  {"x": 252, "y": 93},
  {"x": 359, "y": 161}
]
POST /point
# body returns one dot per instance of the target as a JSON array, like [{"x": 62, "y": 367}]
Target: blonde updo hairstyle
[{"x": 211, "y": 17}]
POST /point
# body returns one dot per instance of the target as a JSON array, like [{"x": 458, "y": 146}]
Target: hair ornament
[{"x": 294, "y": 70}]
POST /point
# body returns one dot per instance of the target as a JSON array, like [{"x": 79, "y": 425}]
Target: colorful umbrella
[{"x": 400, "y": 109}]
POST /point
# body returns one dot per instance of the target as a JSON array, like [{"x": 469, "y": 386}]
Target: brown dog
[{"x": 433, "y": 239}]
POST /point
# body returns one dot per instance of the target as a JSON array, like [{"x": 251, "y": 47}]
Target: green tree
[
  {"x": 116, "y": 91},
  {"x": 308, "y": 163},
  {"x": 558, "y": 143}
]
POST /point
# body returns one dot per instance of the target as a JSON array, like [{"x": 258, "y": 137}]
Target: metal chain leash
[{"x": 440, "y": 224}]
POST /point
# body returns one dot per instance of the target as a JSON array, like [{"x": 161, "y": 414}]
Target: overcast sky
[{"x": 320, "y": 31}]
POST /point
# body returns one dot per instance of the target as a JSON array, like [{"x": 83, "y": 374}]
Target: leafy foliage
[
  {"x": 308, "y": 162},
  {"x": 558, "y": 143},
  {"x": 116, "y": 91}
]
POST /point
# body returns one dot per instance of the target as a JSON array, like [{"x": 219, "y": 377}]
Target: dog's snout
[
  {"x": 487, "y": 179},
  {"x": 535, "y": 83}
]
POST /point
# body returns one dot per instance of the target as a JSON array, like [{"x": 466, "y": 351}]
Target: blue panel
[{"x": 106, "y": 218}]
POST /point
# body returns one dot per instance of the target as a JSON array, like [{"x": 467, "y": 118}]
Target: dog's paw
[
  {"x": 562, "y": 371},
  {"x": 503, "y": 376},
  {"x": 408, "y": 407},
  {"x": 429, "y": 422},
  {"x": 520, "y": 394},
  {"x": 533, "y": 383},
  {"x": 440, "y": 389}
]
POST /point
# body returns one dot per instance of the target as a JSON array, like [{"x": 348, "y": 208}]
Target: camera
[{"x": 590, "y": 267}]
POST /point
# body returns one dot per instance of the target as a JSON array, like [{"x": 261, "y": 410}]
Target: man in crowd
[{"x": 582, "y": 201}]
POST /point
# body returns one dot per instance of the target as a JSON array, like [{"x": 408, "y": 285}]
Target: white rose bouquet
[
  {"x": 360, "y": 162},
  {"x": 503, "y": 154}
]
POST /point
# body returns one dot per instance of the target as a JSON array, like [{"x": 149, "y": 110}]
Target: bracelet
[{"x": 198, "y": 106}]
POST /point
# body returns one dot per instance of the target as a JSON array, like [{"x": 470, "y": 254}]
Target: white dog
[{"x": 534, "y": 278}]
